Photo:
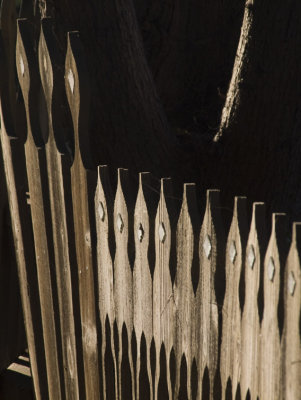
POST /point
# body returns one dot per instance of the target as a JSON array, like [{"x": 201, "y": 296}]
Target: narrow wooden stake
[
  {"x": 231, "y": 330},
  {"x": 269, "y": 355},
  {"x": 211, "y": 248},
  {"x": 104, "y": 227},
  {"x": 291, "y": 340},
  {"x": 163, "y": 296},
  {"x": 83, "y": 183},
  {"x": 187, "y": 255},
  {"x": 37, "y": 181},
  {"x": 144, "y": 218},
  {"x": 58, "y": 166},
  {"x": 123, "y": 278},
  {"x": 15, "y": 173},
  {"x": 250, "y": 316}
]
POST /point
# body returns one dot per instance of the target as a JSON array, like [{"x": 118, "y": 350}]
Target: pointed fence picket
[{"x": 140, "y": 296}]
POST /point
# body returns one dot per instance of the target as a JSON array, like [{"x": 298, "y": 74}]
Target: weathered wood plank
[
  {"x": 187, "y": 256},
  {"x": 123, "y": 278},
  {"x": 269, "y": 356},
  {"x": 37, "y": 182},
  {"x": 163, "y": 296},
  {"x": 21, "y": 225},
  {"x": 144, "y": 220},
  {"x": 291, "y": 340},
  {"x": 58, "y": 166},
  {"x": 231, "y": 329},
  {"x": 208, "y": 296},
  {"x": 83, "y": 183},
  {"x": 250, "y": 317},
  {"x": 104, "y": 227}
]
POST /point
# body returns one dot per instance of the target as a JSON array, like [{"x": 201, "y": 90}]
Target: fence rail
[{"x": 133, "y": 293}]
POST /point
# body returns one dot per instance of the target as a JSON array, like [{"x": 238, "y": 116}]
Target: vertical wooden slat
[
  {"x": 163, "y": 296},
  {"x": 83, "y": 182},
  {"x": 144, "y": 219},
  {"x": 187, "y": 253},
  {"x": 104, "y": 227},
  {"x": 123, "y": 279},
  {"x": 250, "y": 316},
  {"x": 21, "y": 225},
  {"x": 211, "y": 248},
  {"x": 58, "y": 166},
  {"x": 37, "y": 181},
  {"x": 291, "y": 340},
  {"x": 231, "y": 330},
  {"x": 269, "y": 356}
]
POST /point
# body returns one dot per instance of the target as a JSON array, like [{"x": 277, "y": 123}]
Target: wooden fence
[{"x": 129, "y": 292}]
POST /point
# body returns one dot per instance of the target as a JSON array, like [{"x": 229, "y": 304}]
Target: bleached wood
[
  {"x": 145, "y": 209},
  {"x": 291, "y": 340},
  {"x": 51, "y": 65},
  {"x": 26, "y": 266},
  {"x": 163, "y": 296},
  {"x": 123, "y": 278},
  {"x": 231, "y": 329},
  {"x": 187, "y": 253},
  {"x": 37, "y": 182},
  {"x": 104, "y": 228},
  {"x": 250, "y": 317},
  {"x": 83, "y": 183},
  {"x": 207, "y": 307},
  {"x": 269, "y": 360}
]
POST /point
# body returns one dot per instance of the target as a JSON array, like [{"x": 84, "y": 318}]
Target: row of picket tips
[{"x": 139, "y": 258}]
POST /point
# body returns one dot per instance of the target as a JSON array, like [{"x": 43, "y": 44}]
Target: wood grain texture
[
  {"x": 83, "y": 183},
  {"x": 123, "y": 278},
  {"x": 163, "y": 296},
  {"x": 231, "y": 329},
  {"x": 37, "y": 183},
  {"x": 21, "y": 225},
  {"x": 104, "y": 227},
  {"x": 211, "y": 245},
  {"x": 291, "y": 340},
  {"x": 58, "y": 165},
  {"x": 269, "y": 355},
  {"x": 144, "y": 218},
  {"x": 187, "y": 255},
  {"x": 250, "y": 325}
]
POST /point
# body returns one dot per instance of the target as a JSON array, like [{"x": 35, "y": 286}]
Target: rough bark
[{"x": 260, "y": 126}]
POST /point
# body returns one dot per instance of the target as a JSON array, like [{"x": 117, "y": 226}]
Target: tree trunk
[{"x": 260, "y": 125}]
